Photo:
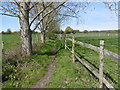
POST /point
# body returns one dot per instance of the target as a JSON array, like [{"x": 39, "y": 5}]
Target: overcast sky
[{"x": 100, "y": 18}]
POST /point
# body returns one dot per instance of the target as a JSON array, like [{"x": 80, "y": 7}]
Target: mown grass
[{"x": 30, "y": 69}]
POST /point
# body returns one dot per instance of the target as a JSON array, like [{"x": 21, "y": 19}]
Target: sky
[{"x": 97, "y": 17}]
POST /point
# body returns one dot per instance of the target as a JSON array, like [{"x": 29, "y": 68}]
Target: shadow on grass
[
  {"x": 50, "y": 51},
  {"x": 106, "y": 74}
]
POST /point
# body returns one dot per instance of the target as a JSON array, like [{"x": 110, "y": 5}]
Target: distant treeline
[
  {"x": 85, "y": 31},
  {"x": 107, "y": 31},
  {"x": 14, "y": 32},
  {"x": 68, "y": 30}
]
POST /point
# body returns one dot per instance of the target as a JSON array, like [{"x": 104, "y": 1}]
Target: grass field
[
  {"x": 13, "y": 40},
  {"x": 110, "y": 40},
  {"x": 67, "y": 74},
  {"x": 92, "y": 58}
]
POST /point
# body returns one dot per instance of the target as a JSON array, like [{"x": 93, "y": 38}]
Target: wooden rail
[
  {"x": 112, "y": 55},
  {"x": 108, "y": 85}
]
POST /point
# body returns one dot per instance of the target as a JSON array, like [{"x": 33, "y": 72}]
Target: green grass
[
  {"x": 11, "y": 41},
  {"x": 31, "y": 69},
  {"x": 75, "y": 75},
  {"x": 111, "y": 41},
  {"x": 67, "y": 74},
  {"x": 70, "y": 75},
  {"x": 91, "y": 57}
]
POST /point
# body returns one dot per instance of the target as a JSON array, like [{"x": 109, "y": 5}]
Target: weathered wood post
[
  {"x": 73, "y": 52},
  {"x": 64, "y": 37},
  {"x": 65, "y": 42},
  {"x": 101, "y": 63},
  {"x": 60, "y": 36},
  {"x": 2, "y": 47}
]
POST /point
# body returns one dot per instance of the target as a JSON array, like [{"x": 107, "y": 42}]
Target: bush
[
  {"x": 68, "y": 30},
  {"x": 85, "y": 31},
  {"x": 8, "y": 31},
  {"x": 59, "y": 32},
  {"x": 51, "y": 35},
  {"x": 10, "y": 62},
  {"x": 15, "y": 32}
]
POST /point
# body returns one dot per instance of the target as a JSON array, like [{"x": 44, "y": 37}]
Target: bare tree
[
  {"x": 66, "y": 10},
  {"x": 43, "y": 26},
  {"x": 22, "y": 11},
  {"x": 45, "y": 13},
  {"x": 44, "y": 19}
]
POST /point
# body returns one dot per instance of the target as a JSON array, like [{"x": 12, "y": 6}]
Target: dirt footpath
[{"x": 51, "y": 69}]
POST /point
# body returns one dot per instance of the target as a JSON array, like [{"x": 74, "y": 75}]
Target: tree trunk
[
  {"x": 26, "y": 34},
  {"x": 43, "y": 37}
]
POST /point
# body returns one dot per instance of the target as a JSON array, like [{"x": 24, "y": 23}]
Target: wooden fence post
[
  {"x": 65, "y": 41},
  {"x": 101, "y": 63},
  {"x": 2, "y": 47},
  {"x": 61, "y": 36},
  {"x": 73, "y": 52}
]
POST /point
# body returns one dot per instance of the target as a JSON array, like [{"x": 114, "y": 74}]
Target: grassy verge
[
  {"x": 30, "y": 69},
  {"x": 75, "y": 75},
  {"x": 69, "y": 75},
  {"x": 92, "y": 58}
]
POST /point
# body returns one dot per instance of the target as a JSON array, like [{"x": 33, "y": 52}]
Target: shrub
[{"x": 51, "y": 35}]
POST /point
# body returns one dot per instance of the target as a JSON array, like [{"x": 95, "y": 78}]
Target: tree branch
[
  {"x": 40, "y": 13},
  {"x": 68, "y": 15},
  {"x": 33, "y": 6},
  {"x": 8, "y": 15},
  {"x": 69, "y": 9},
  {"x": 9, "y": 11},
  {"x": 47, "y": 14}
]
